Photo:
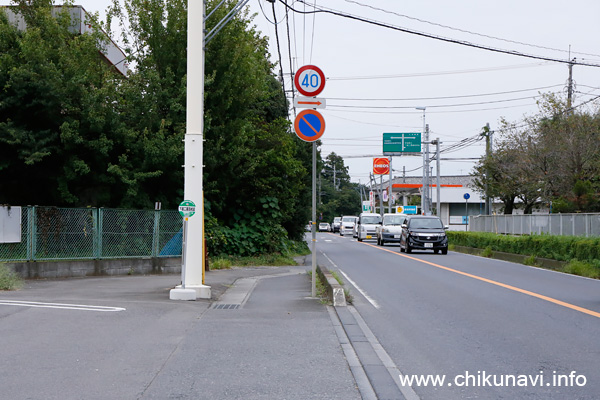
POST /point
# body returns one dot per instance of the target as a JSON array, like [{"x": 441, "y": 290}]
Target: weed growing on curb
[{"x": 8, "y": 279}]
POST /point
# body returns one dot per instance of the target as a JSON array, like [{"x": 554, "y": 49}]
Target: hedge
[{"x": 561, "y": 248}]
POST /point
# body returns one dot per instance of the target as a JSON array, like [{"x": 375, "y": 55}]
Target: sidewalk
[{"x": 260, "y": 337}]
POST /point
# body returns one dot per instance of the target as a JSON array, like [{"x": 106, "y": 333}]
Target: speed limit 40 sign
[{"x": 309, "y": 80}]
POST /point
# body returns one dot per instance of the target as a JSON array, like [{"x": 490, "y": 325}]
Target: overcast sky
[{"x": 377, "y": 76}]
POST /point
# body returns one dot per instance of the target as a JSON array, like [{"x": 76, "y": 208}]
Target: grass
[
  {"x": 8, "y": 279},
  {"x": 271, "y": 260},
  {"x": 582, "y": 268}
]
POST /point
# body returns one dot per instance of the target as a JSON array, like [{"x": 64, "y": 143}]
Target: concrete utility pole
[
  {"x": 425, "y": 190},
  {"x": 192, "y": 278},
  {"x": 570, "y": 85},
  {"x": 437, "y": 170},
  {"x": 193, "y": 274},
  {"x": 488, "y": 153}
]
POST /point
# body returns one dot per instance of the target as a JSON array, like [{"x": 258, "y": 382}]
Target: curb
[
  {"x": 335, "y": 291},
  {"x": 512, "y": 257}
]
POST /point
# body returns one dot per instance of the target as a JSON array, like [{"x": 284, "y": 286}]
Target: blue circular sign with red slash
[{"x": 309, "y": 125}]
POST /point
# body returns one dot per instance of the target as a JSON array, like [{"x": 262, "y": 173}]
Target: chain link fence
[
  {"x": 553, "y": 224},
  {"x": 50, "y": 233}
]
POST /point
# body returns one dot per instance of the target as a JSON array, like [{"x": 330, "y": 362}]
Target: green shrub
[{"x": 561, "y": 248}]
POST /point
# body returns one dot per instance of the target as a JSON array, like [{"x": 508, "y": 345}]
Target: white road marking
[
  {"x": 366, "y": 296},
  {"x": 81, "y": 307}
]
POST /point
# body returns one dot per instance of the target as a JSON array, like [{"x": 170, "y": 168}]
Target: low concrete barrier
[
  {"x": 335, "y": 291},
  {"x": 108, "y": 267}
]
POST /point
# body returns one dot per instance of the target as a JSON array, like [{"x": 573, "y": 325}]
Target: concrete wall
[{"x": 69, "y": 269}]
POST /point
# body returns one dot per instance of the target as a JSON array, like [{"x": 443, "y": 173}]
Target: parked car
[
  {"x": 391, "y": 229},
  {"x": 347, "y": 226},
  {"x": 324, "y": 227},
  {"x": 366, "y": 227},
  {"x": 335, "y": 226},
  {"x": 421, "y": 232}
]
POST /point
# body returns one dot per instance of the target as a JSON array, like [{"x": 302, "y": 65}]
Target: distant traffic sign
[
  {"x": 309, "y": 125},
  {"x": 381, "y": 166},
  {"x": 401, "y": 143},
  {"x": 309, "y": 80}
]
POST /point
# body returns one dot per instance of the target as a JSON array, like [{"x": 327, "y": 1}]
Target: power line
[
  {"x": 436, "y": 37},
  {"x": 445, "y": 97},
  {"x": 467, "y": 31}
]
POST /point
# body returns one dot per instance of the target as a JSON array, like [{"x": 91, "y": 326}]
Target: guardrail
[{"x": 554, "y": 224}]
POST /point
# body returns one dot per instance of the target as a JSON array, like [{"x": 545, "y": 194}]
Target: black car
[{"x": 422, "y": 232}]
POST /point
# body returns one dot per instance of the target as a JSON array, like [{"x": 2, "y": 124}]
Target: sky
[{"x": 377, "y": 76}]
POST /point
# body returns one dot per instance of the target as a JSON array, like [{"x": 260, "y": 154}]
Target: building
[
  {"x": 454, "y": 208},
  {"x": 81, "y": 24}
]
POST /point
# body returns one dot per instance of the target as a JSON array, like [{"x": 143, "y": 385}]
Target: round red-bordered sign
[
  {"x": 309, "y": 80},
  {"x": 309, "y": 125},
  {"x": 381, "y": 166}
]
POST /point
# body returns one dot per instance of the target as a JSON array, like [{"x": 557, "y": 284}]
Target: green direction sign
[
  {"x": 187, "y": 208},
  {"x": 401, "y": 143}
]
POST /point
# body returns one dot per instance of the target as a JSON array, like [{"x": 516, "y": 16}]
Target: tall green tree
[
  {"x": 57, "y": 127},
  {"x": 255, "y": 169}
]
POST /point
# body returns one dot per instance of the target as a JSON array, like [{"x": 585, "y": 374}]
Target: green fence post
[
  {"x": 100, "y": 218},
  {"x": 33, "y": 233}
]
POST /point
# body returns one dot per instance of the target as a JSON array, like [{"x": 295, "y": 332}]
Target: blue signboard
[{"x": 410, "y": 209}]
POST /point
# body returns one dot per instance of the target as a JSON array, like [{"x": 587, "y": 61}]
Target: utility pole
[
  {"x": 488, "y": 154},
  {"x": 334, "y": 181},
  {"x": 570, "y": 86},
  {"x": 437, "y": 170}
]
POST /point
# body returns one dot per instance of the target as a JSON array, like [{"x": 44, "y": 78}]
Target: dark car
[{"x": 421, "y": 232}]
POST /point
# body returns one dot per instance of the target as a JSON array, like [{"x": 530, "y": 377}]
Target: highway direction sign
[{"x": 401, "y": 143}]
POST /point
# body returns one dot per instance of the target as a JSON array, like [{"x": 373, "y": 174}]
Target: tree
[
  {"x": 545, "y": 158},
  {"x": 57, "y": 126}
]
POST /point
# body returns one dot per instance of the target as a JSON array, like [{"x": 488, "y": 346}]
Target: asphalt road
[{"x": 492, "y": 329}]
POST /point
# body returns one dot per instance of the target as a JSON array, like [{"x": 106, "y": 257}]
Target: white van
[{"x": 367, "y": 226}]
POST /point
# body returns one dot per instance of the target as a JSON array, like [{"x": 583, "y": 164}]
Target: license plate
[
  {"x": 368, "y": 236},
  {"x": 396, "y": 236},
  {"x": 428, "y": 244}
]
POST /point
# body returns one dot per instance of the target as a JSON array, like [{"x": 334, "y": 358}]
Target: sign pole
[
  {"x": 184, "y": 251},
  {"x": 314, "y": 219},
  {"x": 390, "y": 193}
]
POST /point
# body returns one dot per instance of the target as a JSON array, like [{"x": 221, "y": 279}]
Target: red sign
[
  {"x": 381, "y": 166},
  {"x": 309, "y": 80}
]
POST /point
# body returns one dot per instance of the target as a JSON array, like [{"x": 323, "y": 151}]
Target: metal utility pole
[
  {"x": 427, "y": 176},
  {"x": 390, "y": 194}
]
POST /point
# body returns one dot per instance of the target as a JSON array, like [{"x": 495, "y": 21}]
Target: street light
[{"x": 425, "y": 191}]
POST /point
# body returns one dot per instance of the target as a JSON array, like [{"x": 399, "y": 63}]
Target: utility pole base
[
  {"x": 182, "y": 294},
  {"x": 190, "y": 292}
]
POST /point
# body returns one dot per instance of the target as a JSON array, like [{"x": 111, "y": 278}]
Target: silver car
[{"x": 347, "y": 225}]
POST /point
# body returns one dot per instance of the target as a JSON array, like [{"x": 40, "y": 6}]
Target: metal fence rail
[
  {"x": 50, "y": 233},
  {"x": 554, "y": 224}
]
